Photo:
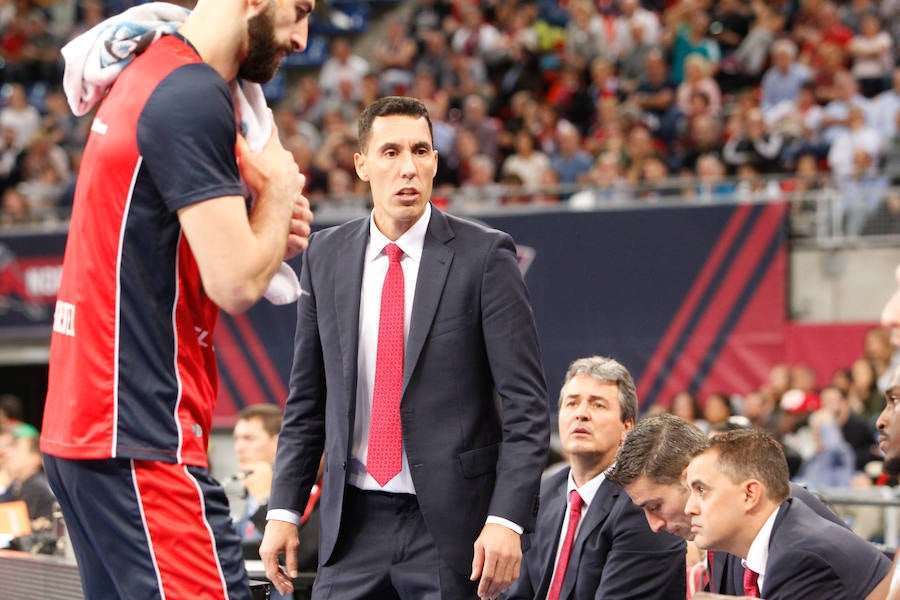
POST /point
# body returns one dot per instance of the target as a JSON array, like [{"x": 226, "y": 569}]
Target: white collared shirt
[
  {"x": 758, "y": 554},
  {"x": 587, "y": 493},
  {"x": 374, "y": 269}
]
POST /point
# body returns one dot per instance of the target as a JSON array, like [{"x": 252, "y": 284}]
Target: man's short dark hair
[
  {"x": 269, "y": 414},
  {"x": 658, "y": 447},
  {"x": 390, "y": 106},
  {"x": 11, "y": 405},
  {"x": 753, "y": 454}
]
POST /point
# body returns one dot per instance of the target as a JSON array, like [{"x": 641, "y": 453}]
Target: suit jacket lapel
[
  {"x": 783, "y": 512},
  {"x": 548, "y": 532},
  {"x": 718, "y": 576},
  {"x": 347, "y": 289},
  {"x": 593, "y": 518},
  {"x": 436, "y": 260}
]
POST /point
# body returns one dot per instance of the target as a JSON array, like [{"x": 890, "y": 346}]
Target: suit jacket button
[{"x": 344, "y": 465}]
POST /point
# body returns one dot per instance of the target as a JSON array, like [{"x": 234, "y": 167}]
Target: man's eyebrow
[
  {"x": 398, "y": 146},
  {"x": 388, "y": 146},
  {"x": 590, "y": 396}
]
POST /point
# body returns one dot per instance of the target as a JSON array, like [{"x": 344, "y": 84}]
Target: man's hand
[
  {"x": 271, "y": 172},
  {"x": 301, "y": 222},
  {"x": 498, "y": 554},
  {"x": 274, "y": 176},
  {"x": 280, "y": 539}
]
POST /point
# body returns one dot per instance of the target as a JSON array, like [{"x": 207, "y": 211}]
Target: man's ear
[
  {"x": 254, "y": 7},
  {"x": 753, "y": 493},
  {"x": 359, "y": 162}
]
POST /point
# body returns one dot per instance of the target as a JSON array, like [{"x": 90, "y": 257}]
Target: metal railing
[
  {"x": 823, "y": 212},
  {"x": 885, "y": 497}
]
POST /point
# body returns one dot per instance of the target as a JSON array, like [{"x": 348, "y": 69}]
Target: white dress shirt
[
  {"x": 374, "y": 270},
  {"x": 587, "y": 493},
  {"x": 758, "y": 554}
]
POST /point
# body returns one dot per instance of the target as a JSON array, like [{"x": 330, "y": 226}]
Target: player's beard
[
  {"x": 265, "y": 52},
  {"x": 892, "y": 465}
]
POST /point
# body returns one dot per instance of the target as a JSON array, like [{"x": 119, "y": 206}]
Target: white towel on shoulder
[{"x": 95, "y": 58}]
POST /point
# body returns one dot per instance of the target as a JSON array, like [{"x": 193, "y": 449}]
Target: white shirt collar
[
  {"x": 588, "y": 490},
  {"x": 759, "y": 548},
  {"x": 410, "y": 242}
]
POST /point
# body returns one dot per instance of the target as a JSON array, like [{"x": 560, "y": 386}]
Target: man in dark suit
[
  {"x": 740, "y": 503},
  {"x": 609, "y": 552},
  {"x": 652, "y": 467},
  {"x": 432, "y": 473}
]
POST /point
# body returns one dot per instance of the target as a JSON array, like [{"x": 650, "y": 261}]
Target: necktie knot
[
  {"x": 575, "y": 503},
  {"x": 393, "y": 252}
]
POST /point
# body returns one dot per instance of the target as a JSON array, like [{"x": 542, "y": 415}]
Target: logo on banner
[{"x": 28, "y": 287}]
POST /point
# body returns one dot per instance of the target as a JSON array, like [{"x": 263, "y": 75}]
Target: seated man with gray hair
[{"x": 590, "y": 541}]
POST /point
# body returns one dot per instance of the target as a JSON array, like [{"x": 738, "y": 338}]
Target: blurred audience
[
  {"x": 578, "y": 76},
  {"x": 24, "y": 470}
]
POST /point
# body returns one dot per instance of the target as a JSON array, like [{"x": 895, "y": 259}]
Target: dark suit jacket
[
  {"x": 615, "y": 554},
  {"x": 727, "y": 571},
  {"x": 474, "y": 410},
  {"x": 813, "y": 557}
]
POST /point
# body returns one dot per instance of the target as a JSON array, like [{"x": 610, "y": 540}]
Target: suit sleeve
[
  {"x": 728, "y": 574},
  {"x": 641, "y": 565},
  {"x": 510, "y": 337},
  {"x": 302, "y": 437}
]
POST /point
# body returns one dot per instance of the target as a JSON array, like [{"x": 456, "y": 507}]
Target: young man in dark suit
[
  {"x": 652, "y": 465},
  {"x": 740, "y": 503},
  {"x": 604, "y": 549},
  {"x": 417, "y": 371}
]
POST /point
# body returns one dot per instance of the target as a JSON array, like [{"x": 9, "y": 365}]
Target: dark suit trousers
[{"x": 385, "y": 552}]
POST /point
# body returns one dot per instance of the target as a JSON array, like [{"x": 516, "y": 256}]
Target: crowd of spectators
[
  {"x": 22, "y": 480},
  {"x": 538, "y": 101},
  {"x": 827, "y": 429},
  {"x": 616, "y": 100}
]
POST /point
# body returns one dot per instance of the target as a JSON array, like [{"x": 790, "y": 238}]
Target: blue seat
[
  {"x": 315, "y": 55},
  {"x": 274, "y": 88},
  {"x": 36, "y": 93},
  {"x": 341, "y": 19}
]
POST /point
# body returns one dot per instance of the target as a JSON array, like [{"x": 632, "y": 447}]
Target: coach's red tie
[
  {"x": 575, "y": 503},
  {"x": 750, "y": 579},
  {"x": 385, "y": 437}
]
